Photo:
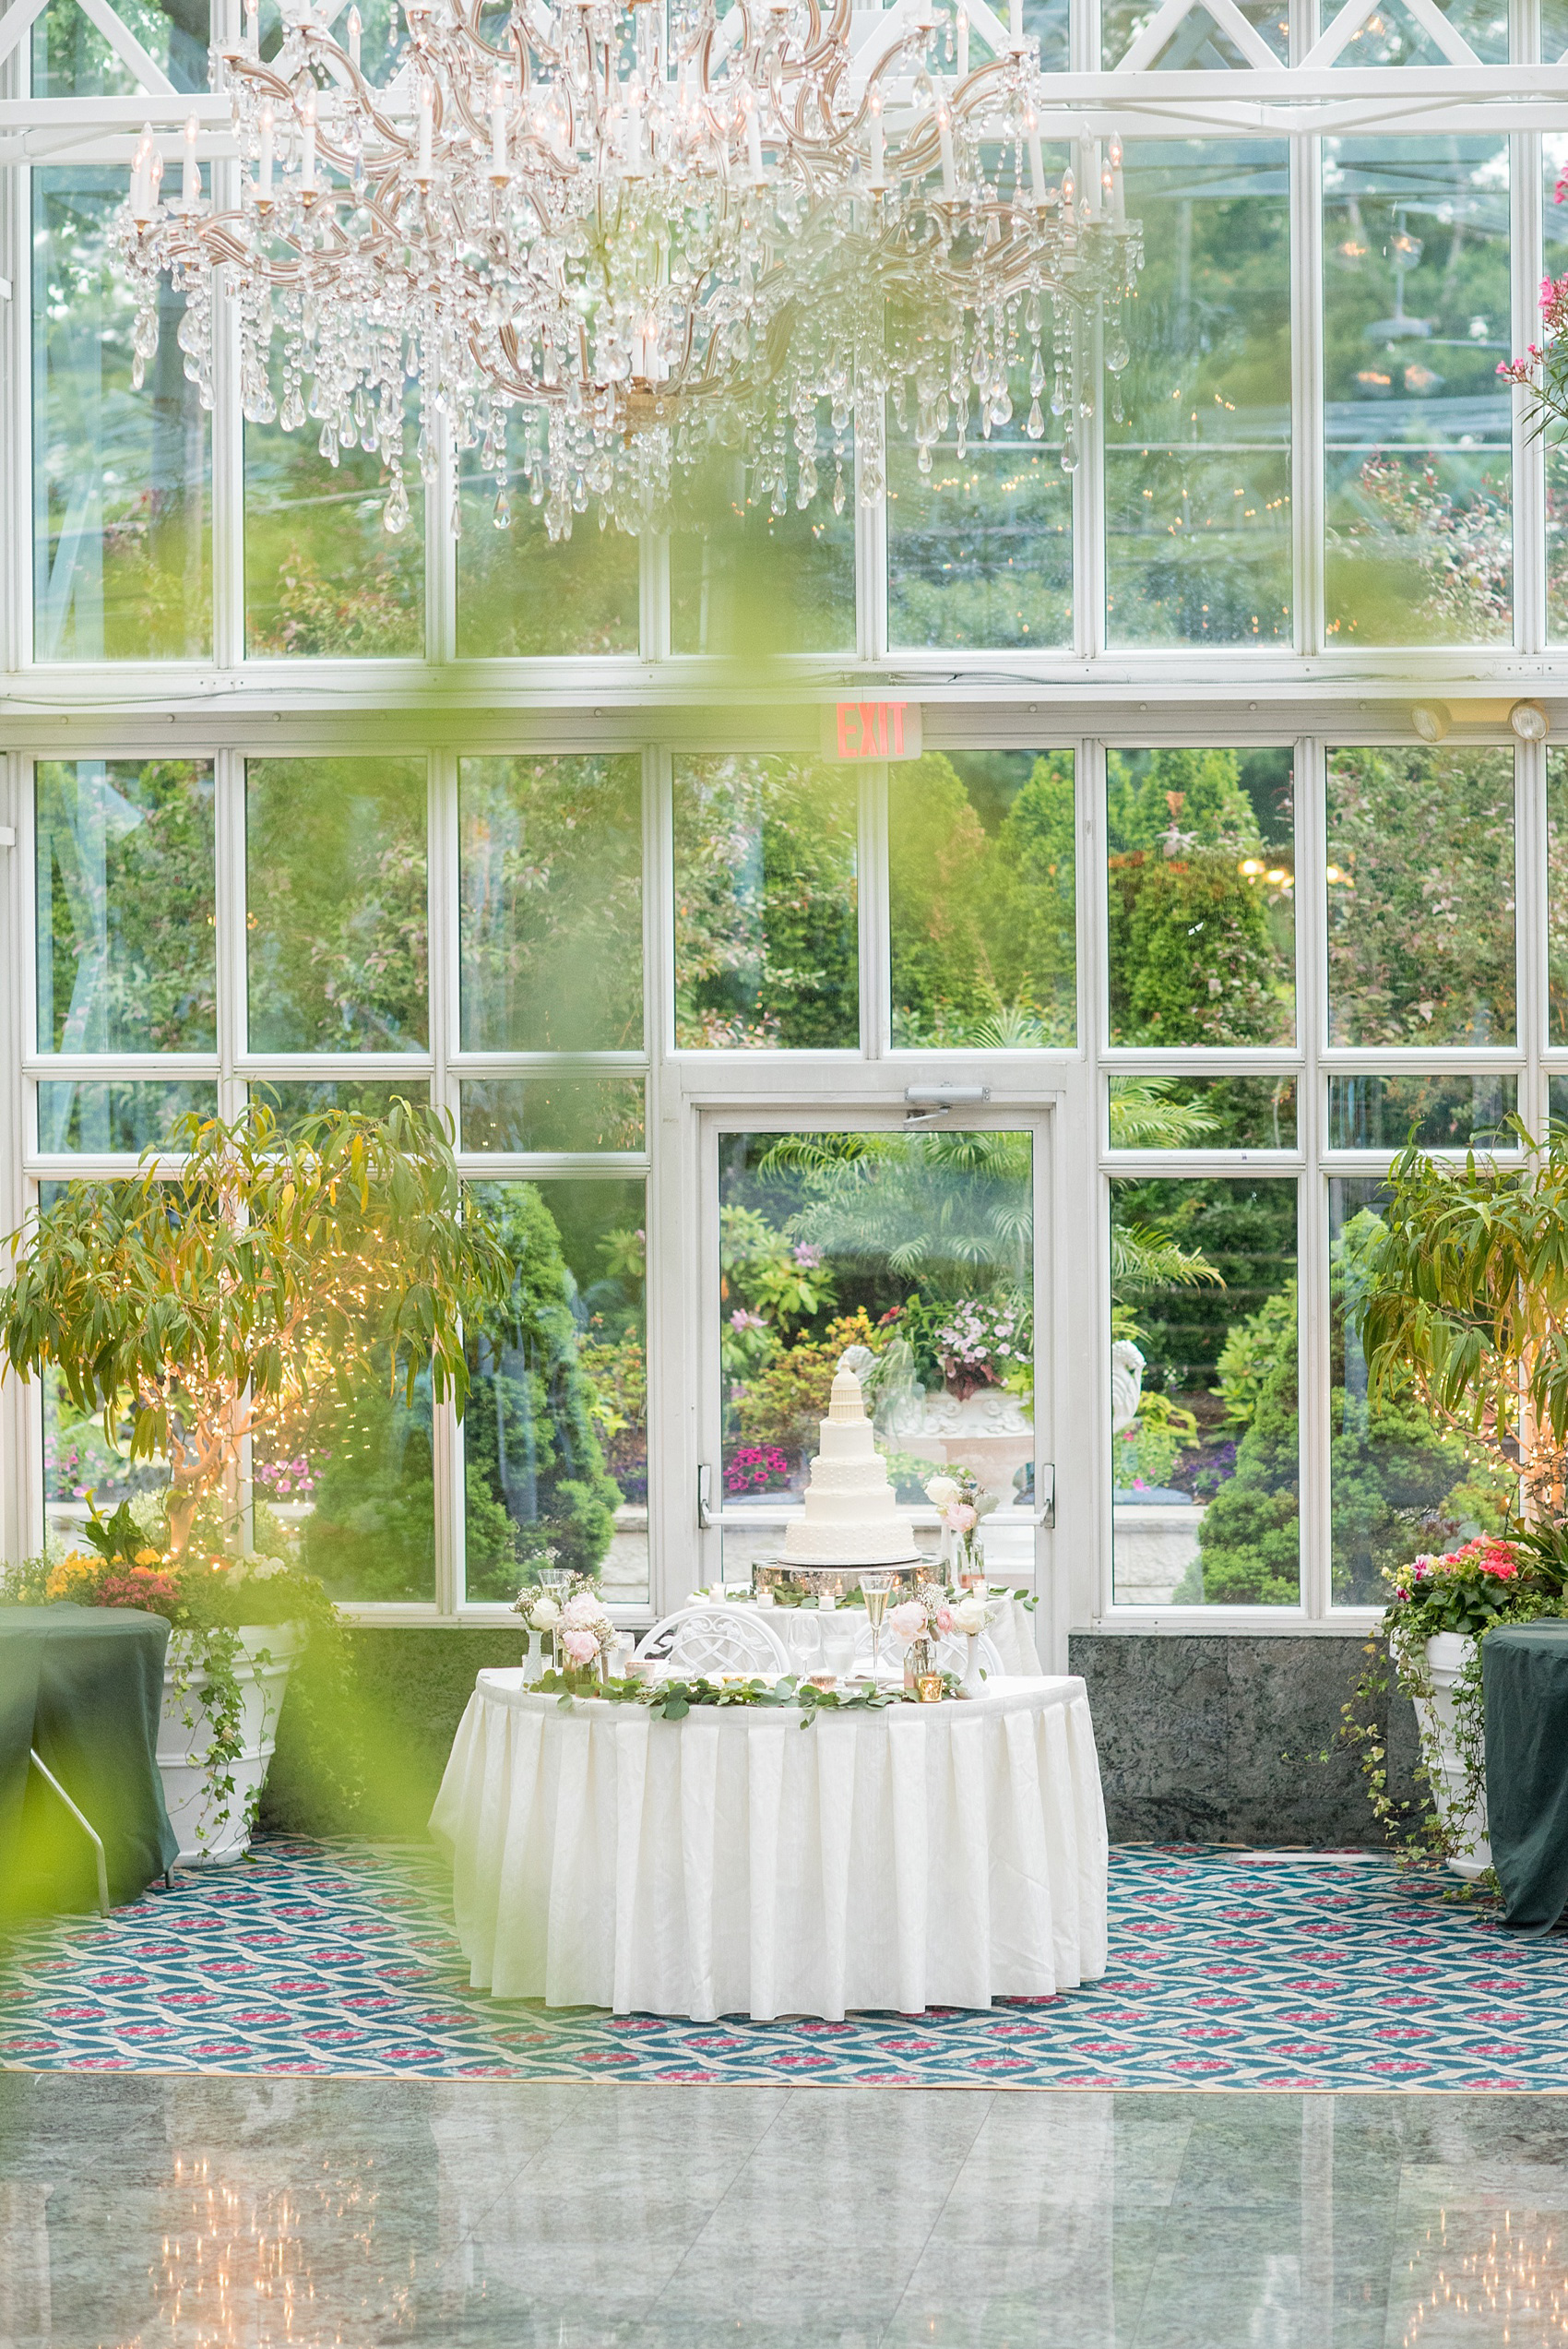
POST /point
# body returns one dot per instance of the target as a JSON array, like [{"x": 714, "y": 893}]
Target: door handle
[{"x": 705, "y": 1497}]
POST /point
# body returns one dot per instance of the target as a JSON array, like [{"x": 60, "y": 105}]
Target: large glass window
[
  {"x": 766, "y": 944},
  {"x": 1399, "y": 1485},
  {"x": 552, "y": 915},
  {"x": 1201, "y": 885},
  {"x": 520, "y": 595},
  {"x": 122, "y": 522},
  {"x": 324, "y": 573},
  {"x": 126, "y": 958},
  {"x": 1421, "y": 897},
  {"x": 754, "y": 575},
  {"x": 1197, "y": 461},
  {"x": 335, "y": 912},
  {"x": 1205, "y": 1407},
  {"x": 980, "y": 882},
  {"x": 556, "y": 1436},
  {"x": 1415, "y": 317}
]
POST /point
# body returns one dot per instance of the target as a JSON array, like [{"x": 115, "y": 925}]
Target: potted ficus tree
[
  {"x": 1465, "y": 1304},
  {"x": 207, "y": 1303}
]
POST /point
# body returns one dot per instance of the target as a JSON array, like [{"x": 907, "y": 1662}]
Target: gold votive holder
[{"x": 928, "y": 1688}]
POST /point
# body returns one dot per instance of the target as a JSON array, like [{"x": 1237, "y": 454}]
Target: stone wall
[{"x": 1215, "y": 1739}]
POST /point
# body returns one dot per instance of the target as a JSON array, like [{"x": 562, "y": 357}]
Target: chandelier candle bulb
[
  {"x": 878, "y": 145},
  {"x": 498, "y": 129},
  {"x": 753, "y": 139},
  {"x": 253, "y": 26},
  {"x": 190, "y": 175},
  {"x": 263, "y": 161},
  {"x": 963, "y": 35},
  {"x": 1037, "y": 171},
  {"x": 424, "y": 171},
  {"x": 307, "y": 147},
  {"x": 1016, "y": 23},
  {"x": 944, "y": 148},
  {"x": 355, "y": 30}
]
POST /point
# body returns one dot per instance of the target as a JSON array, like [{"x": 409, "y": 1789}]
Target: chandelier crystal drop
[{"x": 609, "y": 243}]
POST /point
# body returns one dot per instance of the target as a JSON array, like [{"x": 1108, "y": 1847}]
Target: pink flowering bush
[
  {"x": 1463, "y": 1590},
  {"x": 756, "y": 1467},
  {"x": 1543, "y": 370}
]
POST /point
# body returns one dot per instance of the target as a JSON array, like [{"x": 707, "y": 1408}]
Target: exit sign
[{"x": 856, "y": 730}]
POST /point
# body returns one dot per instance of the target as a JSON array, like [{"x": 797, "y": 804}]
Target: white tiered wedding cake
[{"x": 852, "y": 1513}]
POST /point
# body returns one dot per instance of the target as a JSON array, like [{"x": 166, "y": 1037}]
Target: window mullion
[
  {"x": 874, "y": 915},
  {"x": 229, "y": 906},
  {"x": 1314, "y": 1500},
  {"x": 228, "y": 457},
  {"x": 1307, "y": 456}
]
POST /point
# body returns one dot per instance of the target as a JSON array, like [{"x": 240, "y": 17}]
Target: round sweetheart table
[{"x": 741, "y": 1862}]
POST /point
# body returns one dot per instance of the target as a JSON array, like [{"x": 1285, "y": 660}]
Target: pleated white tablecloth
[{"x": 738, "y": 1863}]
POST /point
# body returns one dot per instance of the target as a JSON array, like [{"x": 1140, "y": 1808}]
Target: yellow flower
[
  {"x": 149, "y": 1557},
  {"x": 71, "y": 1573}
]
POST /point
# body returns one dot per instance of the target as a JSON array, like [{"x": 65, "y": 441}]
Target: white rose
[
  {"x": 970, "y": 1614},
  {"x": 942, "y": 1491},
  {"x": 544, "y": 1612}
]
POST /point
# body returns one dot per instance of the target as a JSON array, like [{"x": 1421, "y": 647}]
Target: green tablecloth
[
  {"x": 1525, "y": 1675},
  {"x": 84, "y": 1686}
]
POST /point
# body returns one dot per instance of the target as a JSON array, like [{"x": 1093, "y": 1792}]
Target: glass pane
[
  {"x": 1198, "y": 43},
  {"x": 72, "y": 59},
  {"x": 1197, "y": 469},
  {"x": 335, "y": 863},
  {"x": 1441, "y": 1113},
  {"x": 124, "y": 875},
  {"x": 294, "y": 1102},
  {"x": 352, "y": 1484},
  {"x": 1557, "y": 896},
  {"x": 83, "y": 1469},
  {"x": 324, "y": 576},
  {"x": 766, "y": 947},
  {"x": 551, "y": 913},
  {"x": 1399, "y": 1485},
  {"x": 979, "y": 520},
  {"x": 1554, "y": 230},
  {"x": 1204, "y": 1398},
  {"x": 752, "y": 576},
  {"x": 121, "y": 525},
  {"x": 1415, "y": 317},
  {"x": 1421, "y": 897},
  {"x": 519, "y": 594},
  {"x": 980, "y": 875},
  {"x": 117, "y": 1115},
  {"x": 553, "y": 1113},
  {"x": 1557, "y": 1104},
  {"x": 555, "y": 1435},
  {"x": 918, "y": 1249},
  {"x": 1393, "y": 35},
  {"x": 1202, "y": 1113},
  {"x": 1201, "y": 876}
]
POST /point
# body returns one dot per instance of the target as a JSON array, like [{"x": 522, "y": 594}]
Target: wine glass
[{"x": 875, "y": 1589}]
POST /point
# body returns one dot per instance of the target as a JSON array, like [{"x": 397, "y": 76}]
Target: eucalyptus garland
[{"x": 673, "y": 1699}]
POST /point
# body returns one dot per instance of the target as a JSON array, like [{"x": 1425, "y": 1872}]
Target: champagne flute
[{"x": 875, "y": 1590}]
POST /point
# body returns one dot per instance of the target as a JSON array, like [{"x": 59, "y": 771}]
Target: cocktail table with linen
[{"x": 738, "y": 1861}]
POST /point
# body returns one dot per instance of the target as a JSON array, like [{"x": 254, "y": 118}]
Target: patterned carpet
[{"x": 1227, "y": 1970}]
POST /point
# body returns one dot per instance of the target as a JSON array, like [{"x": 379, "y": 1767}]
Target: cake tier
[
  {"x": 848, "y": 1439},
  {"x": 850, "y": 1509},
  {"x": 891, "y": 1542},
  {"x": 849, "y": 1475}
]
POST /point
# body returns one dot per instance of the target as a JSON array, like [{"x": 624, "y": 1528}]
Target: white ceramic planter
[
  {"x": 1446, "y": 1653},
  {"x": 206, "y": 1838}
]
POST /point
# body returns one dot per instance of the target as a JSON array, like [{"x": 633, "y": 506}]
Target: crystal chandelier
[{"x": 606, "y": 242}]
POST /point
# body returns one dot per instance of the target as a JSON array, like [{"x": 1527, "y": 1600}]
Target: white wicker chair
[
  {"x": 952, "y": 1651},
  {"x": 704, "y": 1643}
]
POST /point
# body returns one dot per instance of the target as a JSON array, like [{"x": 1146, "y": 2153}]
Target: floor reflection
[{"x": 203, "y": 2212}]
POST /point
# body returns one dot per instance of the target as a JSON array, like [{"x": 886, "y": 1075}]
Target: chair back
[{"x": 704, "y": 1642}]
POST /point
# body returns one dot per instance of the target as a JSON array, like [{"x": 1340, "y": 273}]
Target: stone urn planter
[
  {"x": 1446, "y": 1653},
  {"x": 214, "y": 1831}
]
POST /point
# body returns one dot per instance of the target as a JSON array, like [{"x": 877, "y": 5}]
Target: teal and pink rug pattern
[{"x": 1228, "y": 1969}]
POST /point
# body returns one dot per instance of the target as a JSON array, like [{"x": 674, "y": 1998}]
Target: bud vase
[{"x": 973, "y": 1682}]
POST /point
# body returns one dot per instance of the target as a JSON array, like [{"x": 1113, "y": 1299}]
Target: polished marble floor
[{"x": 199, "y": 2212}]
